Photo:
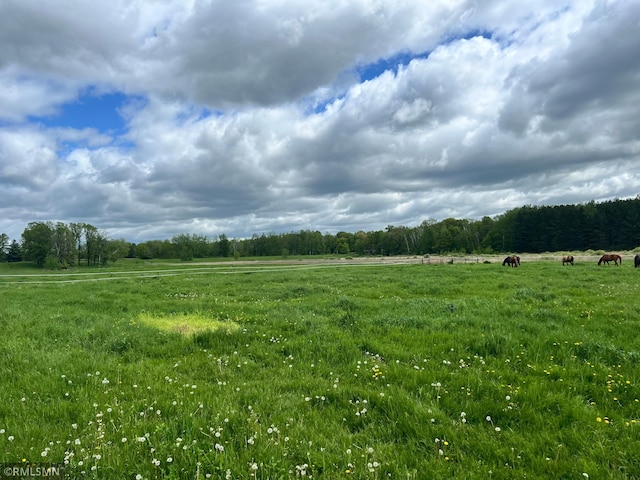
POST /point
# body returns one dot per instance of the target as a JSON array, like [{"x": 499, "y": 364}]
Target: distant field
[{"x": 386, "y": 368}]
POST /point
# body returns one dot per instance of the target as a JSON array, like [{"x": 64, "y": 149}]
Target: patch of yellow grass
[{"x": 187, "y": 323}]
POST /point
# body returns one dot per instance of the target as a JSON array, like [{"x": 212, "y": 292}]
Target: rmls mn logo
[{"x": 31, "y": 471}]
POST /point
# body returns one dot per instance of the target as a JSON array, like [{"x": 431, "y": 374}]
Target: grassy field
[{"x": 194, "y": 371}]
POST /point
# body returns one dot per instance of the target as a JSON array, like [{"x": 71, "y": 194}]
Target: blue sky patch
[
  {"x": 373, "y": 70},
  {"x": 90, "y": 110}
]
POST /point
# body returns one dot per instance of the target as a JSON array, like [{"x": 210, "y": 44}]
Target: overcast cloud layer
[{"x": 258, "y": 116}]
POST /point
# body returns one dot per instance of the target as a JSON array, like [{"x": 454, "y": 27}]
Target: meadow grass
[{"x": 469, "y": 371}]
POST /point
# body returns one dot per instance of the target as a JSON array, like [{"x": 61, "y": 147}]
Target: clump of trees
[
  {"x": 612, "y": 225},
  {"x": 58, "y": 245}
]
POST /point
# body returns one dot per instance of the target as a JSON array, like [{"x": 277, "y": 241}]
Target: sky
[{"x": 149, "y": 119}]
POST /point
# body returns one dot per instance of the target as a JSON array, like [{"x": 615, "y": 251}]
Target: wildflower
[
  {"x": 219, "y": 447},
  {"x": 10, "y": 438}
]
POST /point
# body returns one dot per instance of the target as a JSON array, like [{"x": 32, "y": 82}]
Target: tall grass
[{"x": 409, "y": 371}]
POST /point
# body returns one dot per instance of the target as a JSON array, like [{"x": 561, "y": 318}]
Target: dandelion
[
  {"x": 219, "y": 447},
  {"x": 141, "y": 439},
  {"x": 169, "y": 460},
  {"x": 488, "y": 418},
  {"x": 124, "y": 439},
  {"x": 498, "y": 429},
  {"x": 10, "y": 438}
]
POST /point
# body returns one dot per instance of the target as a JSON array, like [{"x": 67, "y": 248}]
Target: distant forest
[{"x": 612, "y": 225}]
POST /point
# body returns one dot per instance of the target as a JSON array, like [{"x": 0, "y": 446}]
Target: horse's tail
[{"x": 600, "y": 261}]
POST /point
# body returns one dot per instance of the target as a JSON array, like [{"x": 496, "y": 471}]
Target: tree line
[
  {"x": 611, "y": 225},
  {"x": 59, "y": 245}
]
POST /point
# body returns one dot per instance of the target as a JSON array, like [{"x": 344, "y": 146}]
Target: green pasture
[{"x": 328, "y": 371}]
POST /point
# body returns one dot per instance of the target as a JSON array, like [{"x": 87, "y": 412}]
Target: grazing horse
[
  {"x": 636, "y": 261},
  {"x": 512, "y": 261},
  {"x": 567, "y": 259},
  {"x": 610, "y": 257}
]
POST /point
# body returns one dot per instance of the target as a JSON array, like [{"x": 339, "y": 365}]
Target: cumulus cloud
[{"x": 256, "y": 116}]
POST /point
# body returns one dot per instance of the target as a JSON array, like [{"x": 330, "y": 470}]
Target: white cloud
[{"x": 248, "y": 117}]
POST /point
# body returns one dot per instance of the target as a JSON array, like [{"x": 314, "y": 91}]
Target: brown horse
[
  {"x": 610, "y": 257},
  {"x": 636, "y": 261},
  {"x": 512, "y": 261},
  {"x": 567, "y": 259}
]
